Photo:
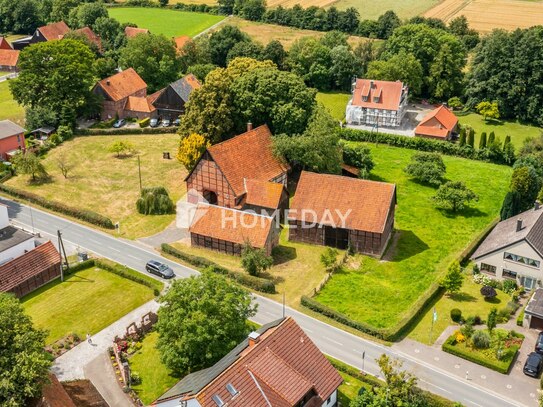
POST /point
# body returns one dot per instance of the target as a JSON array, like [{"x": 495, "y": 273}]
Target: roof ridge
[{"x": 237, "y": 135}]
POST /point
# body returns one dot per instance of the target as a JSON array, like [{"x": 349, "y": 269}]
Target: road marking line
[
  {"x": 336, "y": 342},
  {"x": 94, "y": 241},
  {"x": 474, "y": 403},
  {"x": 308, "y": 330},
  {"x": 134, "y": 257},
  {"x": 115, "y": 250},
  {"x": 433, "y": 385}
]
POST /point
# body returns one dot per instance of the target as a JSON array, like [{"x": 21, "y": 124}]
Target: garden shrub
[
  {"x": 467, "y": 330},
  {"x": 128, "y": 273},
  {"x": 488, "y": 292},
  {"x": 456, "y": 315},
  {"x": 474, "y": 320},
  {"x": 509, "y": 286},
  {"x": 82, "y": 214},
  {"x": 155, "y": 201},
  {"x": 520, "y": 318},
  {"x": 97, "y": 131},
  {"x": 256, "y": 283},
  {"x": 422, "y": 144},
  {"x": 481, "y": 339}
]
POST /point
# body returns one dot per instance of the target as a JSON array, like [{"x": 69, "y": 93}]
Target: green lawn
[
  {"x": 349, "y": 389},
  {"x": 373, "y": 9},
  {"x": 108, "y": 185},
  {"x": 336, "y": 102},
  {"x": 518, "y": 132},
  {"x": 171, "y": 23},
  {"x": 86, "y": 302},
  {"x": 469, "y": 300},
  {"x": 426, "y": 241},
  {"x": 156, "y": 379},
  {"x": 9, "y": 109}
]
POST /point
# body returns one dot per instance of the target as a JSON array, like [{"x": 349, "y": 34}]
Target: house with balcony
[
  {"x": 514, "y": 249},
  {"x": 377, "y": 103}
]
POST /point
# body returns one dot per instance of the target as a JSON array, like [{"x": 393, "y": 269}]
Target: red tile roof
[
  {"x": 285, "y": 363},
  {"x": 54, "y": 395},
  {"x": 438, "y": 123},
  {"x": 192, "y": 81},
  {"x": 231, "y": 225},
  {"x": 139, "y": 104},
  {"x": 154, "y": 96},
  {"x": 91, "y": 35},
  {"x": 28, "y": 265},
  {"x": 263, "y": 193},
  {"x": 122, "y": 84},
  {"x": 389, "y": 94},
  {"x": 181, "y": 41},
  {"x": 365, "y": 204},
  {"x": 247, "y": 156},
  {"x": 131, "y": 32},
  {"x": 54, "y": 31},
  {"x": 4, "y": 44},
  {"x": 9, "y": 57}
]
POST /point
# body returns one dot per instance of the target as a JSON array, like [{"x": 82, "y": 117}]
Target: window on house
[
  {"x": 218, "y": 401},
  {"x": 488, "y": 268},
  {"x": 521, "y": 259},
  {"x": 231, "y": 389},
  {"x": 509, "y": 274}
]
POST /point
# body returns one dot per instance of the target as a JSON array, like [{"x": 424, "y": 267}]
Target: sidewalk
[
  {"x": 70, "y": 366},
  {"x": 100, "y": 372},
  {"x": 515, "y": 386}
]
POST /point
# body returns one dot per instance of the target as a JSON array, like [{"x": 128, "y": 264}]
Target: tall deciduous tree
[
  {"x": 254, "y": 261},
  {"x": 54, "y": 74},
  {"x": 200, "y": 320},
  {"x": 400, "y": 67},
  {"x": 86, "y": 14},
  {"x": 29, "y": 164},
  {"x": 426, "y": 167},
  {"x": 154, "y": 58},
  {"x": 489, "y": 110},
  {"x": 452, "y": 282},
  {"x": 24, "y": 363},
  {"x": 222, "y": 41},
  {"x": 454, "y": 195},
  {"x": 190, "y": 150}
]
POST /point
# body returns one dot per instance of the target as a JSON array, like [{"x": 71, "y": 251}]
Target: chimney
[
  {"x": 253, "y": 338},
  {"x": 249, "y": 126},
  {"x": 371, "y": 84},
  {"x": 107, "y": 82},
  {"x": 519, "y": 225}
]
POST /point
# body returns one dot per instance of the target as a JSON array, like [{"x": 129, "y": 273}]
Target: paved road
[{"x": 330, "y": 340}]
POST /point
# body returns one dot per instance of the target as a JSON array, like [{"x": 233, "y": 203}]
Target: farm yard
[
  {"x": 170, "y": 23},
  {"x": 103, "y": 183},
  {"x": 426, "y": 241},
  {"x": 485, "y": 15}
]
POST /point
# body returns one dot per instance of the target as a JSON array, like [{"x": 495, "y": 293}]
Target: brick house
[
  {"x": 377, "y": 103},
  {"x": 91, "y": 36},
  {"x": 131, "y": 32},
  {"x": 170, "y": 102},
  {"x": 116, "y": 92},
  {"x": 4, "y": 44},
  {"x": 12, "y": 139},
  {"x": 277, "y": 365},
  {"x": 180, "y": 42},
  {"x": 9, "y": 59},
  {"x": 227, "y": 230},
  {"x": 440, "y": 124},
  {"x": 50, "y": 32},
  {"x": 223, "y": 173},
  {"x": 342, "y": 212}
]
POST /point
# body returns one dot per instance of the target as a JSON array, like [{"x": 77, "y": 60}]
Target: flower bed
[
  {"x": 63, "y": 345},
  {"x": 499, "y": 356}
]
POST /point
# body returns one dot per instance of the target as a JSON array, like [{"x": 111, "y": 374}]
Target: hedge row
[
  {"x": 256, "y": 283},
  {"x": 433, "y": 399},
  {"x": 125, "y": 130},
  {"x": 475, "y": 358},
  {"x": 421, "y": 144},
  {"x": 82, "y": 214}
]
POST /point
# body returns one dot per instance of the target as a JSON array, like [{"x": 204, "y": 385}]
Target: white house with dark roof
[{"x": 514, "y": 249}]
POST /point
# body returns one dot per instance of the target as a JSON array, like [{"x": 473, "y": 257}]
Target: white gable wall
[{"x": 521, "y": 248}]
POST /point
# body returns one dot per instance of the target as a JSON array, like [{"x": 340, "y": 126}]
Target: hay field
[{"x": 485, "y": 15}]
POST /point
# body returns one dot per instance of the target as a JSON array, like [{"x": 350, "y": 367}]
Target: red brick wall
[
  {"x": 37, "y": 281},
  {"x": 11, "y": 143},
  {"x": 208, "y": 177}
]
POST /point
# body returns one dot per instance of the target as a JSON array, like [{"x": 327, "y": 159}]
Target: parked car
[
  {"x": 154, "y": 122},
  {"x": 177, "y": 122},
  {"x": 539, "y": 343},
  {"x": 166, "y": 123},
  {"x": 159, "y": 269},
  {"x": 119, "y": 123},
  {"x": 533, "y": 365}
]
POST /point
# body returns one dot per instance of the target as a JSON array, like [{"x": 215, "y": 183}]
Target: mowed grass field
[
  {"x": 335, "y": 102},
  {"x": 501, "y": 128},
  {"x": 86, "y": 302},
  {"x": 426, "y": 241},
  {"x": 170, "y": 23},
  {"x": 101, "y": 182},
  {"x": 9, "y": 109},
  {"x": 370, "y": 9},
  {"x": 485, "y": 15}
]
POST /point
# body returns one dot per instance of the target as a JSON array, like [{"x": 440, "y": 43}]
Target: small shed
[
  {"x": 43, "y": 133},
  {"x": 533, "y": 314}
]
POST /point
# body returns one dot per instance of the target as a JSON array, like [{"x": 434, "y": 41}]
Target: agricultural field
[
  {"x": 426, "y": 239},
  {"x": 264, "y": 33},
  {"x": 86, "y": 302},
  {"x": 9, "y": 109},
  {"x": 371, "y": 10},
  {"x": 170, "y": 23},
  {"x": 103, "y": 183},
  {"x": 485, "y": 15},
  {"x": 518, "y": 131}
]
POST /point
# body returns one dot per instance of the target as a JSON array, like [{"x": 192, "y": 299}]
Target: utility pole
[
  {"x": 139, "y": 173},
  {"x": 61, "y": 251}
]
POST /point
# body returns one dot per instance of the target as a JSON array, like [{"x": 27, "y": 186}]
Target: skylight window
[
  {"x": 218, "y": 401},
  {"x": 231, "y": 389}
]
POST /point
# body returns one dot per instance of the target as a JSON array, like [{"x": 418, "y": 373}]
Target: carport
[{"x": 533, "y": 314}]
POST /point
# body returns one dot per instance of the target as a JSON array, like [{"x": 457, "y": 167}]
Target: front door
[
  {"x": 336, "y": 237},
  {"x": 528, "y": 283}
]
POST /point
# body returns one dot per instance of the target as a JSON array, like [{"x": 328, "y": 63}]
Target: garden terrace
[{"x": 383, "y": 294}]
